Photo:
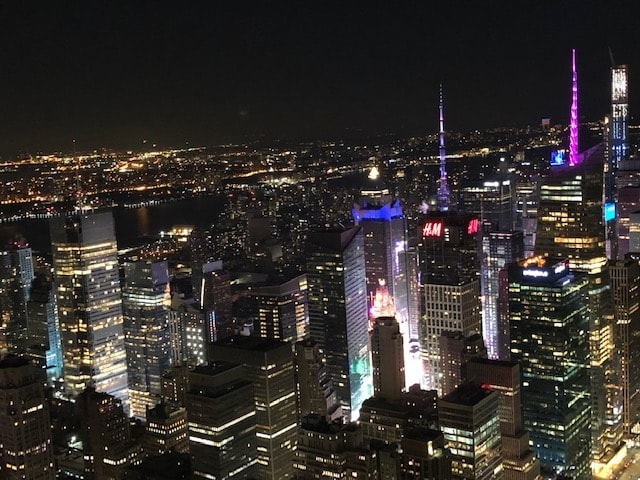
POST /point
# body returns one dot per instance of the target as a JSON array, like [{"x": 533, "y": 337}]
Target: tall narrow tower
[
  {"x": 573, "y": 128},
  {"x": 443, "y": 189}
]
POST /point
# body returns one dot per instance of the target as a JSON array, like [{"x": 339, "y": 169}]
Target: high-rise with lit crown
[
  {"x": 549, "y": 321},
  {"x": 571, "y": 227},
  {"x": 85, "y": 265}
]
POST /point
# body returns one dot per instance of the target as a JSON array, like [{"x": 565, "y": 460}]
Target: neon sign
[
  {"x": 473, "y": 226},
  {"x": 535, "y": 273},
  {"x": 432, "y": 229}
]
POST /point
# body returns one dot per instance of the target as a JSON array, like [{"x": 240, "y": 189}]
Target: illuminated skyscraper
[
  {"x": 492, "y": 200},
  {"x": 628, "y": 202},
  {"x": 550, "y": 340},
  {"x": 145, "y": 305},
  {"x": 385, "y": 248},
  {"x": 26, "y": 451},
  {"x": 16, "y": 274},
  {"x": 281, "y": 310},
  {"x": 338, "y": 317},
  {"x": 449, "y": 278},
  {"x": 85, "y": 264},
  {"x": 619, "y": 133},
  {"x": 268, "y": 364},
  {"x": 43, "y": 328},
  {"x": 499, "y": 248},
  {"x": 108, "y": 446},
  {"x": 166, "y": 430},
  {"x": 625, "y": 284},
  {"x": 222, "y": 422},
  {"x": 570, "y": 226},
  {"x": 471, "y": 426},
  {"x": 520, "y": 462},
  {"x": 622, "y": 180}
]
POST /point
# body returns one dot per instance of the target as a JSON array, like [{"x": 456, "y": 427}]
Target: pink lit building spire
[
  {"x": 443, "y": 189},
  {"x": 573, "y": 127}
]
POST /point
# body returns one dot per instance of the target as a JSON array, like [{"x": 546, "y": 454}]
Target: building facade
[
  {"x": 85, "y": 265},
  {"x": 338, "y": 317}
]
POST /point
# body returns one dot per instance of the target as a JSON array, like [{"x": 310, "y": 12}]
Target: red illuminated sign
[
  {"x": 473, "y": 226},
  {"x": 432, "y": 229}
]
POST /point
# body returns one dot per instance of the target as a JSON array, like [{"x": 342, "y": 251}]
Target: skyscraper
[
  {"x": 222, "y": 422},
  {"x": 625, "y": 285},
  {"x": 471, "y": 426},
  {"x": 619, "y": 130},
  {"x": 387, "y": 354},
  {"x": 108, "y": 446},
  {"x": 449, "y": 278},
  {"x": 499, "y": 248},
  {"x": 338, "y": 317},
  {"x": 424, "y": 456},
  {"x": 385, "y": 244},
  {"x": 549, "y": 316},
  {"x": 492, "y": 200},
  {"x": 166, "y": 430},
  {"x": 456, "y": 350},
  {"x": 570, "y": 226},
  {"x": 314, "y": 387},
  {"x": 26, "y": 451},
  {"x": 85, "y": 264},
  {"x": 43, "y": 328},
  {"x": 145, "y": 305},
  {"x": 269, "y": 366},
  {"x": 281, "y": 310},
  {"x": 520, "y": 462},
  {"x": 16, "y": 275}
]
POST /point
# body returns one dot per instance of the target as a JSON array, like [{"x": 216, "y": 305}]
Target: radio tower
[
  {"x": 573, "y": 128},
  {"x": 443, "y": 189}
]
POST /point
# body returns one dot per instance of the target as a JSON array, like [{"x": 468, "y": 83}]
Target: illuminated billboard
[
  {"x": 432, "y": 229},
  {"x": 609, "y": 212},
  {"x": 557, "y": 158},
  {"x": 473, "y": 226}
]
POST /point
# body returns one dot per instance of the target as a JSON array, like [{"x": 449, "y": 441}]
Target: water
[{"x": 134, "y": 226}]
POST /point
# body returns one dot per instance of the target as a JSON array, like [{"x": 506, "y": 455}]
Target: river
[{"x": 134, "y": 226}]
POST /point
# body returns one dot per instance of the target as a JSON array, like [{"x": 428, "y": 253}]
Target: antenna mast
[
  {"x": 443, "y": 189},
  {"x": 573, "y": 128}
]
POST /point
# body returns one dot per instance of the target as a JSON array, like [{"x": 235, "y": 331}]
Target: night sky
[{"x": 115, "y": 73}]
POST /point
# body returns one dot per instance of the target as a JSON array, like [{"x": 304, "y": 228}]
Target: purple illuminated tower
[
  {"x": 573, "y": 128},
  {"x": 443, "y": 189}
]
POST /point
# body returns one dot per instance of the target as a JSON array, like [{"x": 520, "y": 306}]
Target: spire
[
  {"x": 573, "y": 128},
  {"x": 443, "y": 189}
]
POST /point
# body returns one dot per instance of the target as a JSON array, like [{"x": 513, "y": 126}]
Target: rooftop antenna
[
  {"x": 443, "y": 189},
  {"x": 573, "y": 128},
  {"x": 78, "y": 190},
  {"x": 613, "y": 63}
]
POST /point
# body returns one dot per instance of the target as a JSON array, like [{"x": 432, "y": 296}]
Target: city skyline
[{"x": 112, "y": 76}]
